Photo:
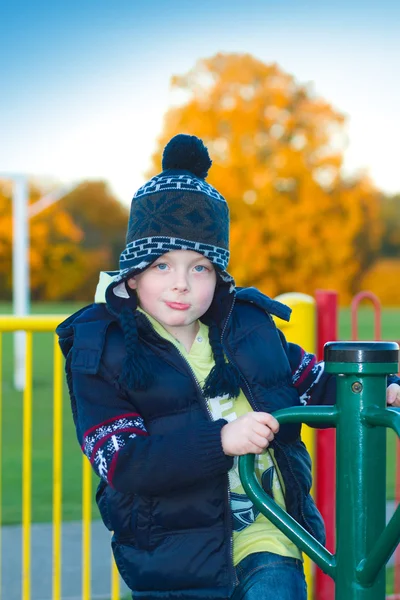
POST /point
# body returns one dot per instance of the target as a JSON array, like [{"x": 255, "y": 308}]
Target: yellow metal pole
[
  {"x": 86, "y": 518},
  {"x": 302, "y": 326},
  {"x": 27, "y": 473},
  {"x": 57, "y": 470},
  {"x": 115, "y": 589},
  {"x": 301, "y": 330},
  {"x": 30, "y": 322}
]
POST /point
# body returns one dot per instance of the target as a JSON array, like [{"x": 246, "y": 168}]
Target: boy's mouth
[{"x": 177, "y": 305}]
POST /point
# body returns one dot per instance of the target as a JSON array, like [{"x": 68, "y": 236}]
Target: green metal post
[
  {"x": 364, "y": 545},
  {"x": 361, "y": 462}
]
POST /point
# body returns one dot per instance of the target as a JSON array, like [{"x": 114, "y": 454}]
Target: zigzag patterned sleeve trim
[
  {"x": 102, "y": 443},
  {"x": 306, "y": 376}
]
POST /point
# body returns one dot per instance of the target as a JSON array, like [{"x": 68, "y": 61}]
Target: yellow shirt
[{"x": 252, "y": 532}]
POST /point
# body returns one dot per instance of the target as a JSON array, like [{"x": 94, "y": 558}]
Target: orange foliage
[
  {"x": 5, "y": 238},
  {"x": 383, "y": 280},
  {"x": 277, "y": 152},
  {"x": 70, "y": 242}
]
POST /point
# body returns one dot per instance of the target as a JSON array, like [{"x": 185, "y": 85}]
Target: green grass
[
  {"x": 42, "y": 425},
  {"x": 390, "y": 324}
]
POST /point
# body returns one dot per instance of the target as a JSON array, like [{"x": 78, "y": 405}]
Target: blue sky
[{"x": 85, "y": 85}]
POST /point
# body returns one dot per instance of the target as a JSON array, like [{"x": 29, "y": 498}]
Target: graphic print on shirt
[{"x": 243, "y": 510}]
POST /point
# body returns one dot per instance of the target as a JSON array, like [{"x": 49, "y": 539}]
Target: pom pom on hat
[{"x": 187, "y": 152}]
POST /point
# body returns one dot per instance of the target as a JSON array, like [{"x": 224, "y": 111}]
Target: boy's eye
[{"x": 164, "y": 267}]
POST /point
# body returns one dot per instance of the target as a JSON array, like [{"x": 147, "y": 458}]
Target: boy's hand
[
  {"x": 249, "y": 434},
  {"x": 393, "y": 394}
]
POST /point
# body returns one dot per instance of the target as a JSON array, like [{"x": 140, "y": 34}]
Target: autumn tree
[
  {"x": 103, "y": 221},
  {"x": 70, "y": 242},
  {"x": 383, "y": 275},
  {"x": 5, "y": 241},
  {"x": 391, "y": 226},
  {"x": 277, "y": 150},
  {"x": 86, "y": 233},
  {"x": 54, "y": 238},
  {"x": 100, "y": 215}
]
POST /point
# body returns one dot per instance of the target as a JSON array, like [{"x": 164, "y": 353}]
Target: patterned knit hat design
[{"x": 177, "y": 210}]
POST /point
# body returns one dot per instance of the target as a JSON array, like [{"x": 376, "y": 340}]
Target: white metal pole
[
  {"x": 20, "y": 273},
  {"x": 48, "y": 200}
]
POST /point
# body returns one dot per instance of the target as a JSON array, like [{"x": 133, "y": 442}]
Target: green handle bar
[
  {"x": 388, "y": 540},
  {"x": 279, "y": 517}
]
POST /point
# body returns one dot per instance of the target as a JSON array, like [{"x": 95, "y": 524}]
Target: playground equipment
[
  {"x": 364, "y": 544},
  {"x": 325, "y": 447}
]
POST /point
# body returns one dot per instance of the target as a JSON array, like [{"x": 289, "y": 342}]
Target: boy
[{"x": 174, "y": 376}]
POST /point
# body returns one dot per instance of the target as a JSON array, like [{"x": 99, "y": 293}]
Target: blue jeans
[{"x": 268, "y": 576}]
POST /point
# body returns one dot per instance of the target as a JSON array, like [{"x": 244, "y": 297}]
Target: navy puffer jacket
[{"x": 164, "y": 488}]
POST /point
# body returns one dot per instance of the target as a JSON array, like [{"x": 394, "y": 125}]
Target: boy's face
[{"x": 177, "y": 288}]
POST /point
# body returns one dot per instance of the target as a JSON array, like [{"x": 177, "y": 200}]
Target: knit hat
[
  {"x": 178, "y": 210},
  {"x": 175, "y": 210}
]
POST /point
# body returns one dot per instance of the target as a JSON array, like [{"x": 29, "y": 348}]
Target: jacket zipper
[
  {"x": 229, "y": 484},
  {"x": 208, "y": 412},
  {"x": 254, "y": 404},
  {"x": 227, "y": 475}
]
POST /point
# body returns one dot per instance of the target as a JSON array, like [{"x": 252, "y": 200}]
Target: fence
[{"x": 31, "y": 325}]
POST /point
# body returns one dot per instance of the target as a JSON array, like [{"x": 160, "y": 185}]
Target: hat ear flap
[
  {"x": 224, "y": 377},
  {"x": 136, "y": 373}
]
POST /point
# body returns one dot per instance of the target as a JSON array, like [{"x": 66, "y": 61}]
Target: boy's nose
[
  {"x": 181, "y": 284},
  {"x": 181, "y": 287}
]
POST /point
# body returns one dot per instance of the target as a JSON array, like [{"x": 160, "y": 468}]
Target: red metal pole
[
  {"x": 354, "y": 314},
  {"x": 327, "y": 330}
]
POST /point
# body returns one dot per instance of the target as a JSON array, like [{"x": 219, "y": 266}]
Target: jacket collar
[{"x": 254, "y": 296}]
